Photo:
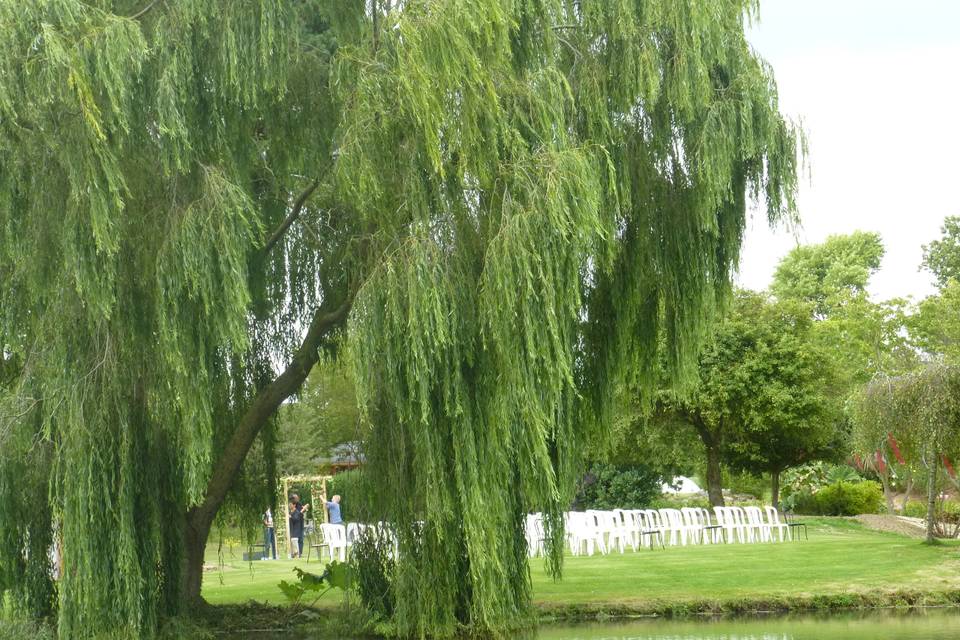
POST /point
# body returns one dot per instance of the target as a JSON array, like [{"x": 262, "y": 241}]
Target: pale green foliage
[
  {"x": 566, "y": 175},
  {"x": 935, "y": 327},
  {"x": 830, "y": 274},
  {"x": 831, "y": 278},
  {"x": 942, "y": 257}
]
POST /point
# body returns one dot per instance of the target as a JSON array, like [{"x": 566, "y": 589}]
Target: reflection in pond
[{"x": 934, "y": 624}]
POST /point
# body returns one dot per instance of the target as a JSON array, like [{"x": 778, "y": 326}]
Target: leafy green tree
[
  {"x": 765, "y": 398},
  {"x": 828, "y": 276},
  {"x": 608, "y": 486},
  {"x": 324, "y": 416},
  {"x": 831, "y": 278},
  {"x": 935, "y": 326},
  {"x": 511, "y": 202},
  {"x": 942, "y": 257}
]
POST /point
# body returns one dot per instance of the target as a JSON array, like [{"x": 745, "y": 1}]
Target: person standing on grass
[
  {"x": 297, "y": 514},
  {"x": 333, "y": 508},
  {"x": 269, "y": 536}
]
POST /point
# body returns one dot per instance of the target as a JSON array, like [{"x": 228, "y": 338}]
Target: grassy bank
[{"x": 842, "y": 565}]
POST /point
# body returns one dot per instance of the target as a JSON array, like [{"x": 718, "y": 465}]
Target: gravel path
[{"x": 891, "y": 524}]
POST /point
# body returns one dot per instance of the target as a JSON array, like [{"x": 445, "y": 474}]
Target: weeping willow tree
[
  {"x": 154, "y": 157},
  {"x": 573, "y": 178},
  {"x": 514, "y": 202},
  {"x": 922, "y": 410}
]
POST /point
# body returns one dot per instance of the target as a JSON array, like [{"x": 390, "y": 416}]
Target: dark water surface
[{"x": 930, "y": 624}]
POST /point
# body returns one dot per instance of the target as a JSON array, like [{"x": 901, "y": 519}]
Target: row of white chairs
[
  {"x": 338, "y": 538},
  {"x": 602, "y": 531}
]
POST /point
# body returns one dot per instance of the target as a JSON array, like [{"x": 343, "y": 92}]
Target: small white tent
[{"x": 681, "y": 484}]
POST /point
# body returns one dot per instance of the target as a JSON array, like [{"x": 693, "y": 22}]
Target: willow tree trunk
[
  {"x": 199, "y": 519},
  {"x": 931, "y": 499}
]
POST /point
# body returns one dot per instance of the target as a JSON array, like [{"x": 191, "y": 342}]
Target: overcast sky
[{"x": 877, "y": 85}]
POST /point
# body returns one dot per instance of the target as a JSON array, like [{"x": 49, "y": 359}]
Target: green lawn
[{"x": 841, "y": 556}]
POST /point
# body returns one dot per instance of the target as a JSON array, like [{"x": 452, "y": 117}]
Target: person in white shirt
[{"x": 269, "y": 536}]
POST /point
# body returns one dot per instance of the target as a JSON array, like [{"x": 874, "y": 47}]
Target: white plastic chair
[
  {"x": 583, "y": 534},
  {"x": 335, "y": 539},
  {"x": 756, "y": 522},
  {"x": 773, "y": 522}
]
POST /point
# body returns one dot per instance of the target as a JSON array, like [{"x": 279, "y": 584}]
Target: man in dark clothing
[{"x": 297, "y": 515}]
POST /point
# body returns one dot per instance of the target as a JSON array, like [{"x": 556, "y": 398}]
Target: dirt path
[{"x": 891, "y": 524}]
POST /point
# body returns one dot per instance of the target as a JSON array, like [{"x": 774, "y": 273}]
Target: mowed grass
[{"x": 840, "y": 557}]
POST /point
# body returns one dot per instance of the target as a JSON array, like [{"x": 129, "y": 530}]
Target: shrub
[
  {"x": 374, "y": 567},
  {"x": 916, "y": 509},
  {"x": 607, "y": 486},
  {"x": 746, "y": 484},
  {"x": 841, "y": 499}
]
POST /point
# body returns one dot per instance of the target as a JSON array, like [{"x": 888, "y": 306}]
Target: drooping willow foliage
[
  {"x": 920, "y": 413},
  {"x": 573, "y": 177},
  {"x": 524, "y": 195},
  {"x": 146, "y": 152}
]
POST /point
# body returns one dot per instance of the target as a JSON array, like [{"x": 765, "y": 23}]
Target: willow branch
[
  {"x": 298, "y": 204},
  {"x": 143, "y": 12}
]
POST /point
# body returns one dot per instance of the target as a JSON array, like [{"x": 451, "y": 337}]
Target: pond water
[
  {"x": 931, "y": 624},
  {"x": 927, "y": 624}
]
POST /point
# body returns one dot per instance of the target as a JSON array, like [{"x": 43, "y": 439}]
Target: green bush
[
  {"x": 916, "y": 509},
  {"x": 607, "y": 486},
  {"x": 841, "y": 499}
]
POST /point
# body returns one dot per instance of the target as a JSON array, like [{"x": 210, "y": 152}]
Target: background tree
[
  {"x": 942, "y": 257},
  {"x": 325, "y": 416},
  {"x": 830, "y": 275},
  {"x": 765, "y": 399},
  {"x": 509, "y": 213},
  {"x": 831, "y": 278},
  {"x": 790, "y": 413},
  {"x": 923, "y": 408},
  {"x": 935, "y": 326}
]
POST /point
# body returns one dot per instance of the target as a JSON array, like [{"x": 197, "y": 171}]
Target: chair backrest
[
  {"x": 689, "y": 516},
  {"x": 334, "y": 534},
  {"x": 705, "y": 517},
  {"x": 773, "y": 516},
  {"x": 623, "y": 519},
  {"x": 754, "y": 515},
  {"x": 738, "y": 516},
  {"x": 722, "y": 519},
  {"x": 671, "y": 517}
]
